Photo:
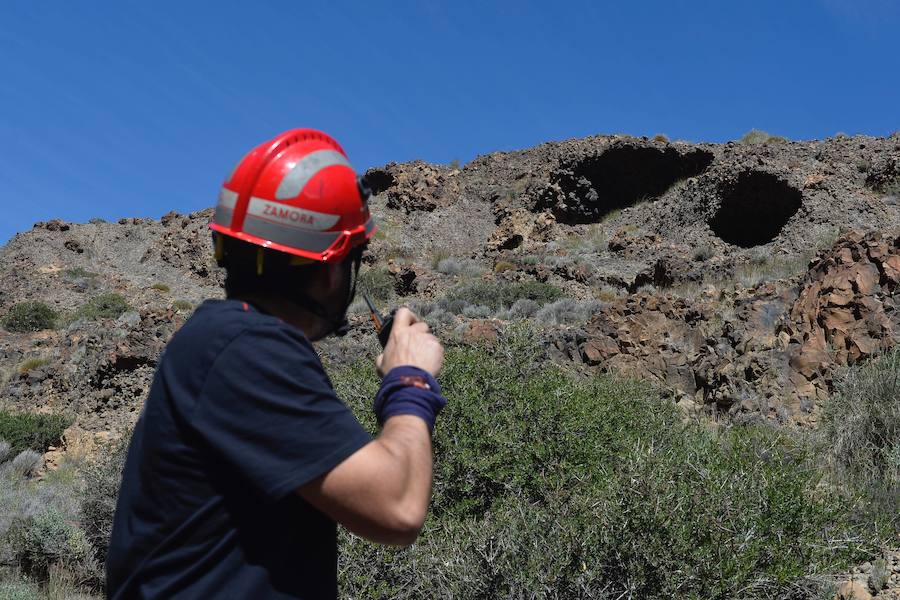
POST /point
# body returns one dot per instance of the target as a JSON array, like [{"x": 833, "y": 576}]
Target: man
[{"x": 244, "y": 458}]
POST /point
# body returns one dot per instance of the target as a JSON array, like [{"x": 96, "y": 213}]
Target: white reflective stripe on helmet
[
  {"x": 290, "y": 216},
  {"x": 286, "y": 235},
  {"x": 225, "y": 207},
  {"x": 305, "y": 169}
]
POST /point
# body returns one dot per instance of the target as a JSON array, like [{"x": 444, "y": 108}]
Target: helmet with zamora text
[{"x": 298, "y": 194}]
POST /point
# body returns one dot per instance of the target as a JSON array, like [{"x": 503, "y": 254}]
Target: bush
[
  {"x": 454, "y": 266},
  {"x": 80, "y": 273},
  {"x": 161, "y": 287},
  {"x": 104, "y": 306},
  {"x": 758, "y": 137},
  {"x": 504, "y": 265},
  {"x": 182, "y": 305},
  {"x": 549, "y": 486},
  {"x": 98, "y": 506},
  {"x": 29, "y": 316},
  {"x": 32, "y": 363},
  {"x": 377, "y": 283},
  {"x": 49, "y": 539},
  {"x": 567, "y": 311},
  {"x": 497, "y": 295},
  {"x": 861, "y": 433},
  {"x": 26, "y": 462},
  {"x": 18, "y": 590},
  {"x": 31, "y": 431}
]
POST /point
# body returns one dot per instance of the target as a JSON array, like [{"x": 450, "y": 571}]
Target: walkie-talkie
[{"x": 382, "y": 324}]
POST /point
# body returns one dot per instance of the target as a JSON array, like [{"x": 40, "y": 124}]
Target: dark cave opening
[
  {"x": 622, "y": 176},
  {"x": 754, "y": 209},
  {"x": 378, "y": 180}
]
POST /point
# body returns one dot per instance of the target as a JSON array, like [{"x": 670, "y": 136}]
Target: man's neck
[{"x": 289, "y": 312}]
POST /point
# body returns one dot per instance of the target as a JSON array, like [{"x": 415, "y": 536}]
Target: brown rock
[
  {"x": 853, "y": 590},
  {"x": 481, "y": 331}
]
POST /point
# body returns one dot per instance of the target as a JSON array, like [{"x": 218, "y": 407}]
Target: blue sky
[{"x": 111, "y": 109}]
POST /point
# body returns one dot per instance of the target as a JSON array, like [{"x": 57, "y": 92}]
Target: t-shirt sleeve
[{"x": 269, "y": 412}]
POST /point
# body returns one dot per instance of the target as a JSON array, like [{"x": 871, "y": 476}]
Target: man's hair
[{"x": 246, "y": 273}]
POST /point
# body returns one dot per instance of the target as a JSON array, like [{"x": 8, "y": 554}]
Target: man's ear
[{"x": 335, "y": 274}]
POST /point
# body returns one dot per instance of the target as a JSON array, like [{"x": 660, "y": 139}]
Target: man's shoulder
[{"x": 218, "y": 326}]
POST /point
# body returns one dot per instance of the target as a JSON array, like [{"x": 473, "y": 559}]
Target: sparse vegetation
[
  {"x": 104, "y": 306},
  {"x": 161, "y": 287},
  {"x": 504, "y": 265},
  {"x": 79, "y": 273},
  {"x": 29, "y": 316},
  {"x": 454, "y": 164},
  {"x": 437, "y": 256},
  {"x": 567, "y": 311},
  {"x": 377, "y": 283},
  {"x": 759, "y": 137},
  {"x": 762, "y": 267},
  {"x": 98, "y": 506},
  {"x": 861, "y": 434},
  {"x": 182, "y": 305},
  {"x": 551, "y": 486},
  {"x": 32, "y": 431},
  {"x": 455, "y": 266},
  {"x": 661, "y": 137},
  {"x": 703, "y": 253},
  {"x": 497, "y": 295},
  {"x": 32, "y": 363},
  {"x": 48, "y": 539},
  {"x": 25, "y": 463}
]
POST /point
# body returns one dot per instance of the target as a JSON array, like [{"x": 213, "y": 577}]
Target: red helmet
[{"x": 298, "y": 194}]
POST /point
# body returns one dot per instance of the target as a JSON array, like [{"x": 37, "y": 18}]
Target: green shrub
[
  {"x": 104, "y": 306},
  {"x": 32, "y": 363},
  {"x": 80, "y": 272},
  {"x": 29, "y": 316},
  {"x": 48, "y": 539},
  {"x": 504, "y": 265},
  {"x": 861, "y": 434},
  {"x": 182, "y": 305},
  {"x": 18, "y": 590},
  {"x": 757, "y": 137},
  {"x": 98, "y": 506},
  {"x": 377, "y": 283},
  {"x": 661, "y": 137},
  {"x": 497, "y": 295},
  {"x": 550, "y": 486},
  {"x": 161, "y": 287},
  {"x": 31, "y": 431}
]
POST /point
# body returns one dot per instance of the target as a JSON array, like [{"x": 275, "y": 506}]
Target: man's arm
[{"x": 381, "y": 492}]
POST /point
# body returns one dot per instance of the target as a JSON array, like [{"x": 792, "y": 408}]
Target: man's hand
[{"x": 411, "y": 344}]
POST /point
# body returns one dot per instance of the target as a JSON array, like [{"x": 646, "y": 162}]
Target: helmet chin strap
[{"x": 337, "y": 323}]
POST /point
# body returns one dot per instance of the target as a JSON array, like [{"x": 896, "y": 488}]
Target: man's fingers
[
  {"x": 420, "y": 327},
  {"x": 379, "y": 360},
  {"x": 404, "y": 317}
]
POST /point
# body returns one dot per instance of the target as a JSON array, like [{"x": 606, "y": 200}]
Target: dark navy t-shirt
[{"x": 240, "y": 414}]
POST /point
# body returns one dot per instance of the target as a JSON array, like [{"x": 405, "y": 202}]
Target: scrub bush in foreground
[{"x": 548, "y": 486}]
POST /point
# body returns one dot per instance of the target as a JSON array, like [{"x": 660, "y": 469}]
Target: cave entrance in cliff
[
  {"x": 755, "y": 209},
  {"x": 623, "y": 176}
]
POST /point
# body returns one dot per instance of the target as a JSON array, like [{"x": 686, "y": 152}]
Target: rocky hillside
[{"x": 740, "y": 277}]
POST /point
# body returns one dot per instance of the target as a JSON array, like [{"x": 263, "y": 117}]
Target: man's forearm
[
  {"x": 408, "y": 442},
  {"x": 382, "y": 491}
]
